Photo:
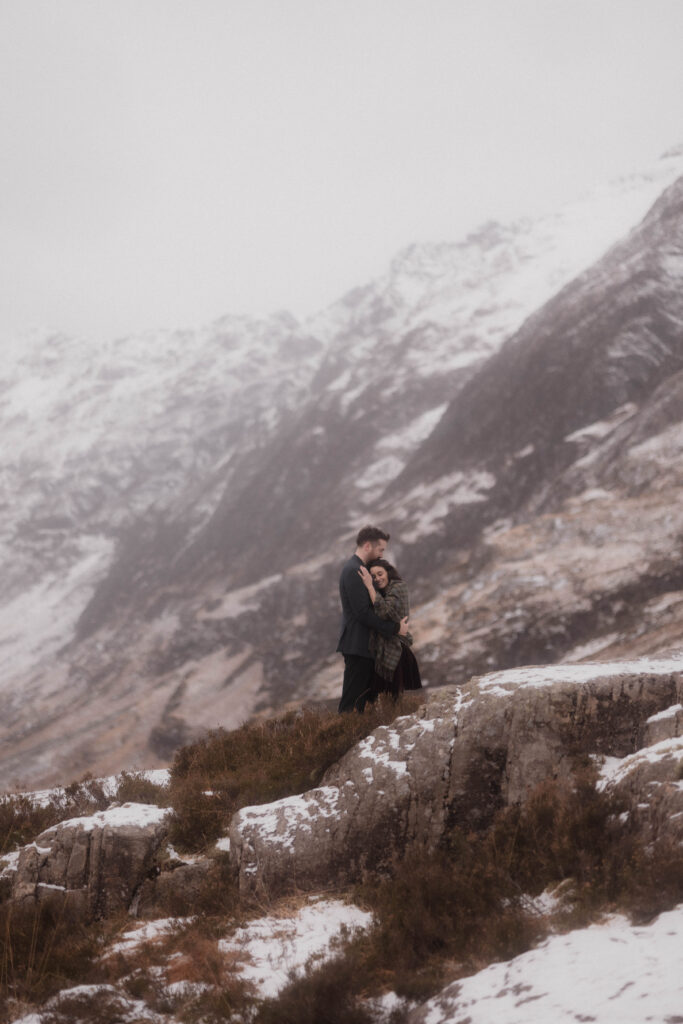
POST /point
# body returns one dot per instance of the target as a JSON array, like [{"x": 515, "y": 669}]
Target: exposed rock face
[
  {"x": 390, "y": 787},
  {"x": 96, "y": 864},
  {"x": 463, "y": 756}
]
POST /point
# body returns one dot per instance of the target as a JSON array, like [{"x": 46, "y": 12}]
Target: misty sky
[{"x": 168, "y": 161}]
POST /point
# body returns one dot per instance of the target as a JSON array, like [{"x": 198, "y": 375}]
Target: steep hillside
[{"x": 555, "y": 479}]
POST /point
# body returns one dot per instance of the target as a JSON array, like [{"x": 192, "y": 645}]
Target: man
[{"x": 359, "y": 618}]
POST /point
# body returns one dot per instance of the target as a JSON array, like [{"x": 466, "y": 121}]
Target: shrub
[
  {"x": 81, "y": 798},
  {"x": 135, "y": 787},
  {"x": 263, "y": 761},
  {"x": 563, "y": 831},
  {"x": 443, "y": 906},
  {"x": 327, "y": 995},
  {"x": 21, "y": 821},
  {"x": 575, "y": 832}
]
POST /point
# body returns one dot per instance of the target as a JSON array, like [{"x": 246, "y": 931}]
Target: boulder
[
  {"x": 96, "y": 864},
  {"x": 519, "y": 728}
]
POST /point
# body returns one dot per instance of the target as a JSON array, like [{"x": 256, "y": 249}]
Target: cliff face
[{"x": 609, "y": 338}]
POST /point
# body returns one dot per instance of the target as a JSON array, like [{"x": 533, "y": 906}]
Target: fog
[{"x": 168, "y": 162}]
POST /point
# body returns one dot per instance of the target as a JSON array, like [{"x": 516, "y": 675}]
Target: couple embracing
[{"x": 374, "y": 637}]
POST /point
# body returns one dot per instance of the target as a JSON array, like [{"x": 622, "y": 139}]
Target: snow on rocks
[
  {"x": 271, "y": 948},
  {"x": 609, "y": 973},
  {"x": 615, "y": 770},
  {"x": 128, "y": 814},
  {"x": 652, "y": 781},
  {"x": 664, "y": 725},
  {"x": 504, "y": 683}
]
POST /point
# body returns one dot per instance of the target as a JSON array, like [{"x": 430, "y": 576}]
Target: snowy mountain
[{"x": 174, "y": 505}]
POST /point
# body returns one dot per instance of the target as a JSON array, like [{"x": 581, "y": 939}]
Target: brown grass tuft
[{"x": 43, "y": 949}]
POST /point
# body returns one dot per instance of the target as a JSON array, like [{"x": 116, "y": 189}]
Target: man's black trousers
[{"x": 357, "y": 687}]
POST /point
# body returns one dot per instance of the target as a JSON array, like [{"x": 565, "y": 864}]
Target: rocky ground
[{"x": 464, "y": 755}]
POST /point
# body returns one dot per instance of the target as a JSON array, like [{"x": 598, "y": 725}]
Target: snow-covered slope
[
  {"x": 609, "y": 973},
  {"x": 99, "y": 438}
]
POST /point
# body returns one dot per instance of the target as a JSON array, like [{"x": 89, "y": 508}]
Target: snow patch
[
  {"x": 128, "y": 814},
  {"x": 275, "y": 947},
  {"x": 503, "y": 683}
]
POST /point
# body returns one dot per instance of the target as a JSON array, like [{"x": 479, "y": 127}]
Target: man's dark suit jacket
[{"x": 358, "y": 617}]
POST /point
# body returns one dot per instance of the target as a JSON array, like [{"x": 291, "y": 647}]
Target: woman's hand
[{"x": 367, "y": 580}]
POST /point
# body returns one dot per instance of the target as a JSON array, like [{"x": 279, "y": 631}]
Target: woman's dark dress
[{"x": 406, "y": 676}]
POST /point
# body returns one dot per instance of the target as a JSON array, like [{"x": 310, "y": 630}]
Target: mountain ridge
[{"x": 215, "y": 595}]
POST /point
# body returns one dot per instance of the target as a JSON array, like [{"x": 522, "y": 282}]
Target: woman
[{"x": 396, "y": 667}]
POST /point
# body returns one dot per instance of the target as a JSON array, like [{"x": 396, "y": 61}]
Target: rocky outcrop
[
  {"x": 463, "y": 756},
  {"x": 97, "y": 864}
]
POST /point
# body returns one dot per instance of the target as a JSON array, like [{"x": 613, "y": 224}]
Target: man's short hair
[{"x": 370, "y": 533}]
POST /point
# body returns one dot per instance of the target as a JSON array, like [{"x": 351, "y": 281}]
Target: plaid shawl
[{"x": 393, "y": 604}]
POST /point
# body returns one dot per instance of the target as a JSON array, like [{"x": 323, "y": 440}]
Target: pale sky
[{"x": 165, "y": 162}]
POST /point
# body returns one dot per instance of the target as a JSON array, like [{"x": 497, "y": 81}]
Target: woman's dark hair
[{"x": 390, "y": 570}]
